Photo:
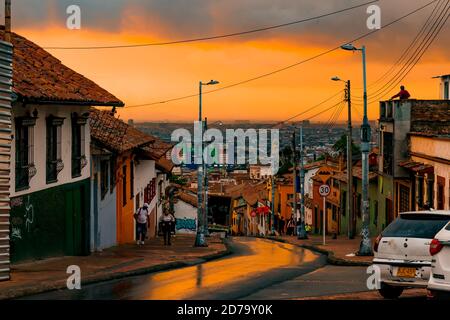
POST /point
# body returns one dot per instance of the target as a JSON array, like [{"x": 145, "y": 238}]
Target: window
[
  {"x": 440, "y": 197},
  {"x": 124, "y": 185},
  {"x": 388, "y": 147},
  {"x": 131, "y": 179},
  {"x": 78, "y": 144},
  {"x": 375, "y": 213},
  {"x": 344, "y": 203},
  {"x": 104, "y": 177},
  {"x": 334, "y": 213},
  {"x": 24, "y": 151},
  {"x": 420, "y": 191},
  {"x": 404, "y": 198},
  {"x": 54, "y": 162},
  {"x": 424, "y": 226},
  {"x": 112, "y": 174}
]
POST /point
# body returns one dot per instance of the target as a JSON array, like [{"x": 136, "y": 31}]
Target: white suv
[
  {"x": 439, "y": 285},
  {"x": 402, "y": 251}
]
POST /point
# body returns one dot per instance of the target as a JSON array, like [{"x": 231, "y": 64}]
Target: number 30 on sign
[{"x": 324, "y": 190}]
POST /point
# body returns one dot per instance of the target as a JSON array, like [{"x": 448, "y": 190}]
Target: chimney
[{"x": 8, "y": 21}]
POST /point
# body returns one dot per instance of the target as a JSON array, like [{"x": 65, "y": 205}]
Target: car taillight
[
  {"x": 377, "y": 242},
  {"x": 435, "y": 247}
]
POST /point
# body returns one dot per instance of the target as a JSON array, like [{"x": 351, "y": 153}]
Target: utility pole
[
  {"x": 205, "y": 170},
  {"x": 365, "y": 248},
  {"x": 301, "y": 232},
  {"x": 294, "y": 157},
  {"x": 272, "y": 203},
  {"x": 350, "y": 217},
  {"x": 200, "y": 240}
]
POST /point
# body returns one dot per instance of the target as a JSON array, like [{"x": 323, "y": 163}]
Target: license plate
[{"x": 406, "y": 272}]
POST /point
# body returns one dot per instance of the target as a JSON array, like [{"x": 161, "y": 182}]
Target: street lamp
[
  {"x": 200, "y": 240},
  {"x": 205, "y": 166},
  {"x": 349, "y": 159},
  {"x": 365, "y": 248}
]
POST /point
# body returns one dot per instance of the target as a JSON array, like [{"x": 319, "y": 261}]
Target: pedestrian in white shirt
[
  {"x": 141, "y": 217},
  {"x": 167, "y": 220}
]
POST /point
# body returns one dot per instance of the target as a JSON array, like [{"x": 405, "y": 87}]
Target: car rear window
[
  {"x": 447, "y": 227},
  {"x": 424, "y": 226}
]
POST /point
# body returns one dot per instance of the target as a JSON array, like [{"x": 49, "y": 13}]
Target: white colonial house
[{"x": 50, "y": 155}]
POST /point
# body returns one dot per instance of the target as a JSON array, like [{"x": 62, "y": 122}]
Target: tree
[{"x": 341, "y": 146}]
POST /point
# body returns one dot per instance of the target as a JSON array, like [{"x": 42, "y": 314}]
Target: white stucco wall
[
  {"x": 162, "y": 182},
  {"x": 103, "y": 222},
  {"x": 186, "y": 216},
  {"x": 439, "y": 149},
  {"x": 309, "y": 182},
  {"x": 38, "y": 182},
  {"x": 144, "y": 172}
]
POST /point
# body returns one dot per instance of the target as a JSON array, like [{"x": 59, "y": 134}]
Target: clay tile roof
[
  {"x": 188, "y": 198},
  {"x": 158, "y": 148},
  {"x": 165, "y": 165},
  {"x": 115, "y": 134},
  {"x": 40, "y": 77}
]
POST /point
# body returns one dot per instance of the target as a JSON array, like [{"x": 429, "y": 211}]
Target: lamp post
[
  {"x": 205, "y": 166},
  {"x": 301, "y": 233},
  {"x": 365, "y": 248},
  {"x": 350, "y": 217},
  {"x": 200, "y": 240}
]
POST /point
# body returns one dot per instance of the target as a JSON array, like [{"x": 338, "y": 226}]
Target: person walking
[
  {"x": 167, "y": 220},
  {"x": 281, "y": 226},
  {"x": 142, "y": 220}
]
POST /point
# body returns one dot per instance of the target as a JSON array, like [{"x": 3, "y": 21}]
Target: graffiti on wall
[
  {"x": 186, "y": 224},
  {"x": 22, "y": 223}
]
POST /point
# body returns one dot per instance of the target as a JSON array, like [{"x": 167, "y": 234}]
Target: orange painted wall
[
  {"x": 125, "y": 211},
  {"x": 282, "y": 192}
]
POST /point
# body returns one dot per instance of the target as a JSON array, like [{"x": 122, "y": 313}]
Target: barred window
[
  {"x": 54, "y": 160},
  {"x": 24, "y": 137},
  {"x": 78, "y": 144}
]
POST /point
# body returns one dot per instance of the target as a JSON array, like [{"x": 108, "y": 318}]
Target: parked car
[
  {"x": 402, "y": 251},
  {"x": 439, "y": 284}
]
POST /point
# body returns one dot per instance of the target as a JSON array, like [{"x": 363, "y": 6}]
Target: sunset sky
[{"x": 152, "y": 74}]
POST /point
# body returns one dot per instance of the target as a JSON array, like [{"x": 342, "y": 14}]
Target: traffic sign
[
  {"x": 325, "y": 173},
  {"x": 324, "y": 190}
]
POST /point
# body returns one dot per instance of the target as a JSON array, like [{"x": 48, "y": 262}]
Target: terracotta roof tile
[
  {"x": 40, "y": 77},
  {"x": 115, "y": 134}
]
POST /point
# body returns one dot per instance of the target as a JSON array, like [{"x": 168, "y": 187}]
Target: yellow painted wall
[{"x": 125, "y": 211}]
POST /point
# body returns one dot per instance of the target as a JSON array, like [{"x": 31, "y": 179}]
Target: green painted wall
[
  {"x": 51, "y": 222},
  {"x": 375, "y": 228}
]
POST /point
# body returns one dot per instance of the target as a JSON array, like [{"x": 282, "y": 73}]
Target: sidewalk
[
  {"x": 340, "y": 251},
  {"x": 117, "y": 262}
]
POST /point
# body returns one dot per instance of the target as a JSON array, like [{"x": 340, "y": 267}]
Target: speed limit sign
[{"x": 324, "y": 190}]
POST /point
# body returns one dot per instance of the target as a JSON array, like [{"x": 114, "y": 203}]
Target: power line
[
  {"x": 420, "y": 47},
  {"x": 289, "y": 66},
  {"x": 411, "y": 45},
  {"x": 309, "y": 109},
  {"x": 228, "y": 35},
  {"x": 416, "y": 56}
]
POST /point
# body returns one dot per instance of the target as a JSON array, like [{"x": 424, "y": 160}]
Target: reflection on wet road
[{"x": 255, "y": 265}]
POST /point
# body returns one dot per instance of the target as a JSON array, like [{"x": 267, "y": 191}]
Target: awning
[
  {"x": 263, "y": 210},
  {"x": 417, "y": 167}
]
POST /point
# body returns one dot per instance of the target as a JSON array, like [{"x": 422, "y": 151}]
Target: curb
[
  {"x": 61, "y": 285},
  {"x": 331, "y": 259}
]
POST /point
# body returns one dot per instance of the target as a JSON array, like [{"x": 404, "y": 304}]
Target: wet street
[{"x": 258, "y": 269}]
